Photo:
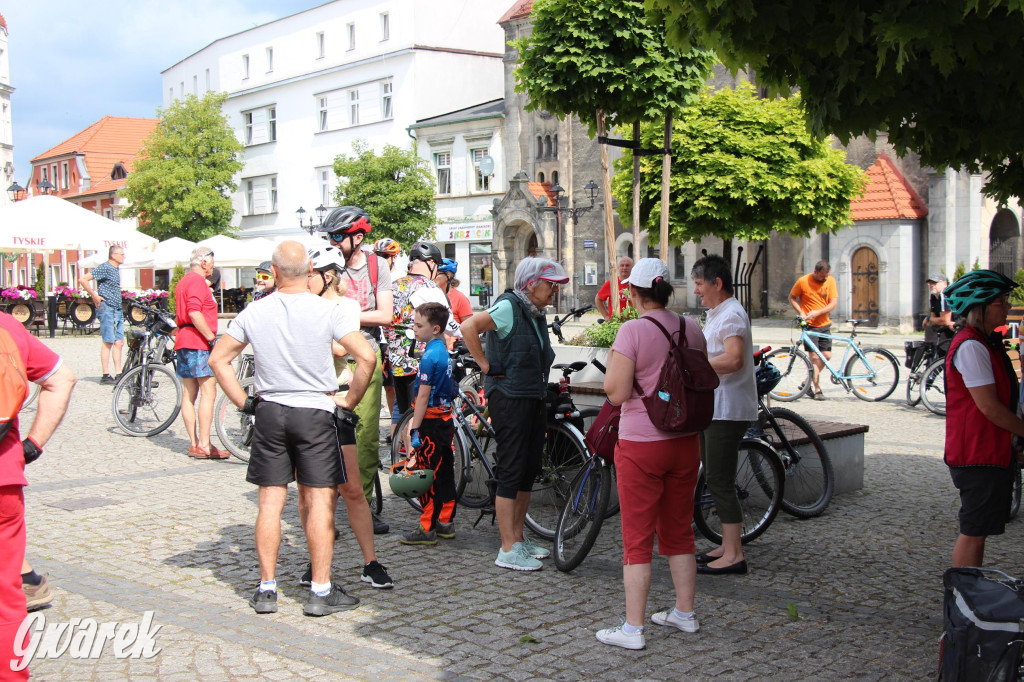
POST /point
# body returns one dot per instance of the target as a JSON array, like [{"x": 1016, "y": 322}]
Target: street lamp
[
  {"x": 310, "y": 226},
  {"x": 572, "y": 212},
  {"x": 14, "y": 191},
  {"x": 46, "y": 187}
]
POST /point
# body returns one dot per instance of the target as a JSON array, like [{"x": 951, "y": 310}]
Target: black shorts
[
  {"x": 823, "y": 344},
  {"x": 984, "y": 499},
  {"x": 405, "y": 387},
  {"x": 346, "y": 431},
  {"x": 295, "y": 443},
  {"x": 520, "y": 425}
]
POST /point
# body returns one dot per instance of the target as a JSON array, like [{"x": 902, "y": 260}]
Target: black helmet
[
  {"x": 263, "y": 267},
  {"x": 349, "y": 220},
  {"x": 425, "y": 251}
]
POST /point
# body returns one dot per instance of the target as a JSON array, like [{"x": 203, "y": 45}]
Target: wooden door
[{"x": 864, "y": 285}]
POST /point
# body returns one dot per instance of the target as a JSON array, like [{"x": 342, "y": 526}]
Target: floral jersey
[{"x": 403, "y": 351}]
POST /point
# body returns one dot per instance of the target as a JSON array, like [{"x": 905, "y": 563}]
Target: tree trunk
[
  {"x": 666, "y": 174},
  {"x": 636, "y": 191},
  {"x": 609, "y": 221},
  {"x": 727, "y": 250}
]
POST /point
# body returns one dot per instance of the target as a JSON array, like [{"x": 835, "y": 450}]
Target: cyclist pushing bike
[{"x": 814, "y": 296}]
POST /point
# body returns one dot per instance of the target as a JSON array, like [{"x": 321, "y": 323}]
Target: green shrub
[
  {"x": 179, "y": 272},
  {"x": 1017, "y": 295},
  {"x": 603, "y": 335},
  {"x": 41, "y": 279},
  {"x": 960, "y": 271}
]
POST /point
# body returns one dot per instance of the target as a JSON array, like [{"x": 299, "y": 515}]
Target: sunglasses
[
  {"x": 337, "y": 236},
  {"x": 263, "y": 278}
]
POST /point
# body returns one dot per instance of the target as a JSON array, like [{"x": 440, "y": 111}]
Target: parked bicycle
[
  {"x": 147, "y": 396},
  {"x": 234, "y": 427},
  {"x": 871, "y": 373}
]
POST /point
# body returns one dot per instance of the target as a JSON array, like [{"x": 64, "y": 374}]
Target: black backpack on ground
[{"x": 983, "y": 626}]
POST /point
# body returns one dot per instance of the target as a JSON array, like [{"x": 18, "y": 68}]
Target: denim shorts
[
  {"x": 193, "y": 364},
  {"x": 111, "y": 322}
]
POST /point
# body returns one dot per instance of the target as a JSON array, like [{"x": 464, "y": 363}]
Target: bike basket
[{"x": 915, "y": 350}]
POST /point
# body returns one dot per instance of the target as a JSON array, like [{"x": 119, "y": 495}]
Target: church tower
[{"x": 6, "y": 127}]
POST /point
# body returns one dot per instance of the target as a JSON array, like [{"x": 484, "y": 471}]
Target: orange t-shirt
[{"x": 815, "y": 295}]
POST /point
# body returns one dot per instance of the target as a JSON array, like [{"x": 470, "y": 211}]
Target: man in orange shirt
[{"x": 813, "y": 297}]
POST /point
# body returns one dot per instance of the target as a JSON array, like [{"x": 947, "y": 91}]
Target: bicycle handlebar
[{"x": 556, "y": 324}]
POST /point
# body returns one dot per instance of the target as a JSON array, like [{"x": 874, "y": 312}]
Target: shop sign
[{"x": 465, "y": 232}]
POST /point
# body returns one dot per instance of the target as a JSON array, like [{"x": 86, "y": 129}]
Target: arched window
[
  {"x": 547, "y": 146},
  {"x": 540, "y": 177},
  {"x": 540, "y": 147},
  {"x": 554, "y": 177},
  {"x": 555, "y": 148}
]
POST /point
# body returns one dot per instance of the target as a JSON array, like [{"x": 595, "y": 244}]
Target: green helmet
[
  {"x": 410, "y": 483},
  {"x": 976, "y": 288}
]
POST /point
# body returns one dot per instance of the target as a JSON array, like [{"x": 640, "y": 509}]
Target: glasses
[
  {"x": 336, "y": 236},
  {"x": 264, "y": 278}
]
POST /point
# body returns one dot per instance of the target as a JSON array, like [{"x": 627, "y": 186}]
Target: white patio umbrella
[
  {"x": 48, "y": 223},
  {"x": 238, "y": 253}
]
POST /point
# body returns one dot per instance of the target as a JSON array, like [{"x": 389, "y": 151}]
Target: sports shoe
[
  {"x": 332, "y": 602},
  {"x": 419, "y": 537},
  {"x": 616, "y": 636},
  {"x": 377, "y": 576},
  {"x": 818, "y": 396},
  {"x": 380, "y": 527},
  {"x": 518, "y": 559},
  {"x": 669, "y": 618},
  {"x": 264, "y": 602},
  {"x": 535, "y": 550},
  {"x": 446, "y": 530},
  {"x": 307, "y": 578},
  {"x": 107, "y": 379},
  {"x": 37, "y": 596}
]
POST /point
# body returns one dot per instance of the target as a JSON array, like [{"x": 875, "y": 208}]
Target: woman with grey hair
[{"x": 516, "y": 364}]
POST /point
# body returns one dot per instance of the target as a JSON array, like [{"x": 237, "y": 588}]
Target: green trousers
[{"x": 368, "y": 430}]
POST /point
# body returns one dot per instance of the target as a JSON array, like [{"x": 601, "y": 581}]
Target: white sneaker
[
  {"x": 672, "y": 620},
  {"x": 616, "y": 636},
  {"x": 518, "y": 559},
  {"x": 535, "y": 550}
]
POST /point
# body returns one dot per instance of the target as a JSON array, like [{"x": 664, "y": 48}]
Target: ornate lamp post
[
  {"x": 310, "y": 226},
  {"x": 14, "y": 191},
  {"x": 46, "y": 187},
  {"x": 572, "y": 213}
]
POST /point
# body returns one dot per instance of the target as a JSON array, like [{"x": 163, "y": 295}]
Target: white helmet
[{"x": 326, "y": 257}]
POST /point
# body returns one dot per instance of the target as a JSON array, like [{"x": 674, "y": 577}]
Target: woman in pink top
[{"x": 656, "y": 470}]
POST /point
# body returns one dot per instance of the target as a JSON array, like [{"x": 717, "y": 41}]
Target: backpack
[
  {"x": 983, "y": 625},
  {"x": 684, "y": 398},
  {"x": 13, "y": 382}
]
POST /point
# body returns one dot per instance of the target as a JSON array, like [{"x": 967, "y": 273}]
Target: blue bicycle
[{"x": 871, "y": 373}]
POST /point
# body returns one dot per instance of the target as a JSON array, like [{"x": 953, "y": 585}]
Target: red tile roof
[
  {"x": 543, "y": 189},
  {"x": 111, "y": 140},
  {"x": 3, "y": 22},
  {"x": 887, "y": 195},
  {"x": 521, "y": 9}
]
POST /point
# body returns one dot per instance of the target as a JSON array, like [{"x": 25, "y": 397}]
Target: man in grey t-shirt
[{"x": 296, "y": 436}]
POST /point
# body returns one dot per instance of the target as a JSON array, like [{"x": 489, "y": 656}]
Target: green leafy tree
[
  {"x": 742, "y": 167},
  {"x": 395, "y": 187},
  {"x": 176, "y": 275},
  {"x": 40, "y": 284},
  {"x": 182, "y": 181},
  {"x": 942, "y": 77}
]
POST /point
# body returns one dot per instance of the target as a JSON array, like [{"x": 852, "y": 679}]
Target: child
[{"x": 432, "y": 428}]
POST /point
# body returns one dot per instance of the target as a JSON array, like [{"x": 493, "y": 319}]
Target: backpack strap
[
  {"x": 371, "y": 267},
  {"x": 671, "y": 344}
]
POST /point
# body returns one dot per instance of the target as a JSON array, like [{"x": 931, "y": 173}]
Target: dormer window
[{"x": 119, "y": 172}]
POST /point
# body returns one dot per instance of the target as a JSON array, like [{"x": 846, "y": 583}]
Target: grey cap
[{"x": 937, "y": 277}]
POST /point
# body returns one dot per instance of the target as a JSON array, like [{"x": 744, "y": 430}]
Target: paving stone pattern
[{"x": 124, "y": 525}]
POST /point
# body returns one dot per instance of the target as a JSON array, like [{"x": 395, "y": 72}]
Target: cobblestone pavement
[{"x": 174, "y": 535}]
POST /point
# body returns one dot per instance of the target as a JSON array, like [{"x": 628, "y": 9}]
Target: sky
[{"x": 74, "y": 62}]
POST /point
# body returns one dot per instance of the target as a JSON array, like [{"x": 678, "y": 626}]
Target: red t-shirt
[
  {"x": 40, "y": 362},
  {"x": 605, "y": 294},
  {"x": 193, "y": 294},
  {"x": 461, "y": 307}
]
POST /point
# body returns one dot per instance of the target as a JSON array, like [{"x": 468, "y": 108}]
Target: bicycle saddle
[{"x": 574, "y": 367}]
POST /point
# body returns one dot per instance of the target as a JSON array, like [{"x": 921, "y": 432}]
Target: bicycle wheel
[
  {"x": 583, "y": 515},
  {"x": 564, "y": 455},
  {"x": 147, "y": 400},
  {"x": 796, "y": 370},
  {"x": 913, "y": 389},
  {"x": 399, "y": 451},
  {"x": 1015, "y": 492},
  {"x": 759, "y": 486},
  {"x": 376, "y": 496},
  {"x": 234, "y": 427},
  {"x": 810, "y": 479},
  {"x": 478, "y": 491},
  {"x": 32, "y": 395},
  {"x": 875, "y": 376},
  {"x": 933, "y": 387}
]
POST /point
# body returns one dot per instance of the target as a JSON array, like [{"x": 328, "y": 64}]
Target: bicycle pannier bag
[
  {"x": 684, "y": 399},
  {"x": 13, "y": 382},
  {"x": 603, "y": 434},
  {"x": 983, "y": 626}
]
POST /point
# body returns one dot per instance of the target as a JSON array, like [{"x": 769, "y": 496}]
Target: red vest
[{"x": 971, "y": 439}]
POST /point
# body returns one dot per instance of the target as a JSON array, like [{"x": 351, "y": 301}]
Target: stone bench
[{"x": 844, "y": 442}]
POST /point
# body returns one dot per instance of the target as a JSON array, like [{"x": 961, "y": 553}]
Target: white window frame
[
  {"x": 273, "y": 194},
  {"x": 245, "y": 67},
  {"x": 270, "y": 60},
  {"x": 322, "y": 121},
  {"x": 250, "y": 204},
  {"x": 481, "y": 183},
  {"x": 260, "y": 195},
  {"x": 247, "y": 126},
  {"x": 350, "y": 31},
  {"x": 320, "y": 45},
  {"x": 207, "y": 80},
  {"x": 73, "y": 274},
  {"x": 65, "y": 175},
  {"x": 446, "y": 166},
  {"x": 272, "y": 124},
  {"x": 108, "y": 213},
  {"x": 195, "y": 84},
  {"x": 55, "y": 273},
  {"x": 385, "y": 26},
  {"x": 386, "y": 100},
  {"x": 324, "y": 177},
  {"x": 54, "y": 175},
  {"x": 353, "y": 106}
]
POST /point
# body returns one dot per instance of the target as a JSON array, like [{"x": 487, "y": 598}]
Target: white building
[
  {"x": 301, "y": 89},
  {"x": 6, "y": 129},
  {"x": 465, "y": 152}
]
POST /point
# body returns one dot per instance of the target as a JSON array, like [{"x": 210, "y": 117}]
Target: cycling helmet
[
  {"x": 768, "y": 377},
  {"x": 410, "y": 483},
  {"x": 326, "y": 257},
  {"x": 387, "y": 247},
  {"x": 975, "y": 288},
  {"x": 349, "y": 220},
  {"x": 449, "y": 267},
  {"x": 263, "y": 267},
  {"x": 425, "y": 251}
]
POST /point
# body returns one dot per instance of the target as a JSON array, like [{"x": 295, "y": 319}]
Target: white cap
[{"x": 646, "y": 272}]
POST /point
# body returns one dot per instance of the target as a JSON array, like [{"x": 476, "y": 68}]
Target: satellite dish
[{"x": 486, "y": 165}]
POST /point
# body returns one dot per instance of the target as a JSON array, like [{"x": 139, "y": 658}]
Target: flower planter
[{"x": 81, "y": 312}]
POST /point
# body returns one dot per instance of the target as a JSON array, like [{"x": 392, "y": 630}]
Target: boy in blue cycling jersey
[{"x": 432, "y": 428}]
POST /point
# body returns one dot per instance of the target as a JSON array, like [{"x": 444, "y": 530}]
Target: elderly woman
[
  {"x": 656, "y": 470},
  {"x": 981, "y": 404},
  {"x": 516, "y": 365},
  {"x": 731, "y": 354}
]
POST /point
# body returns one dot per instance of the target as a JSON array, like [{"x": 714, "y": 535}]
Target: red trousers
[{"x": 12, "y": 598}]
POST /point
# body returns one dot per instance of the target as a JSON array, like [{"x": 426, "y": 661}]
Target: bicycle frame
[{"x": 807, "y": 341}]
